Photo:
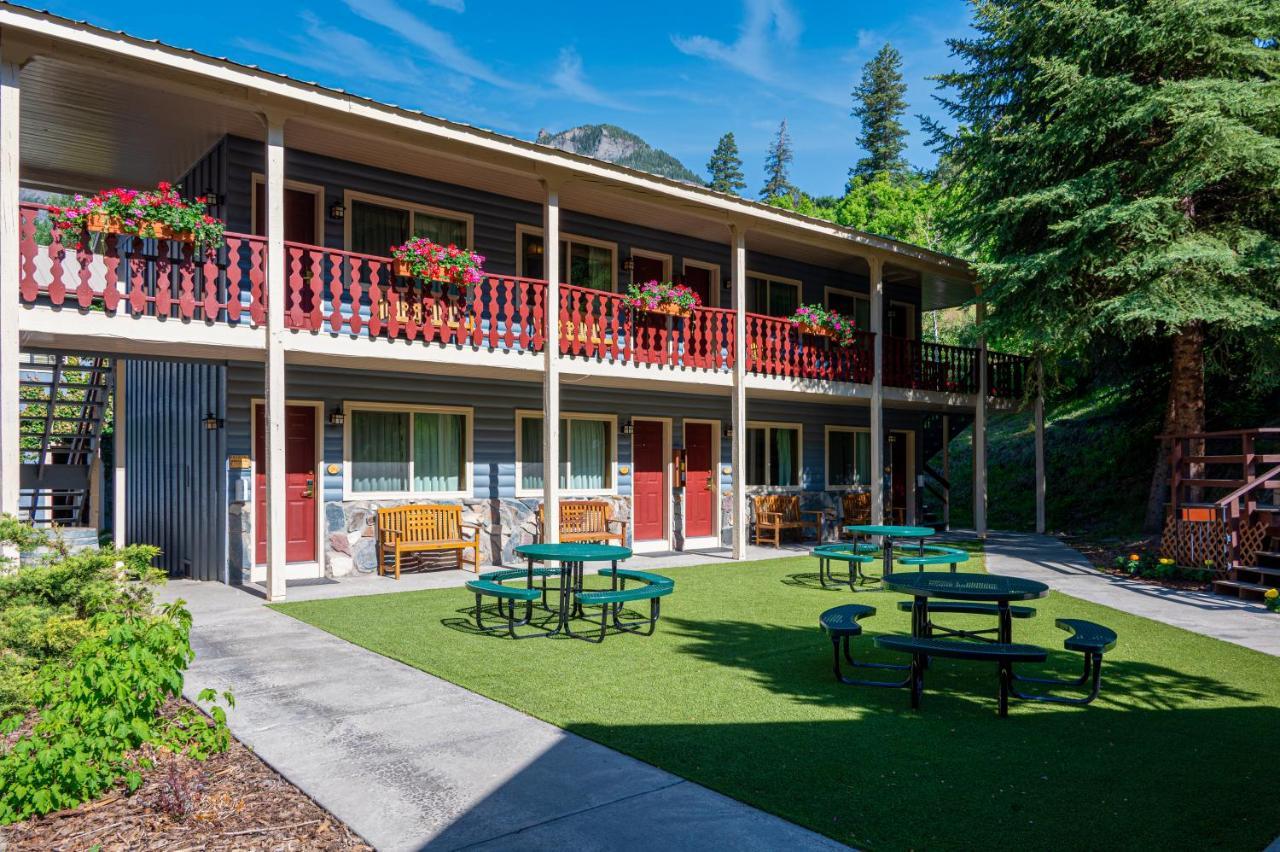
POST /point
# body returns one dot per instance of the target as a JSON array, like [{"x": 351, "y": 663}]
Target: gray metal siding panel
[{"x": 175, "y": 482}]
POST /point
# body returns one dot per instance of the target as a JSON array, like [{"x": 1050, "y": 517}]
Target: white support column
[
  {"x": 118, "y": 427},
  {"x": 980, "y": 435},
  {"x": 876, "y": 266},
  {"x": 10, "y": 458},
  {"x": 551, "y": 364},
  {"x": 738, "y": 417},
  {"x": 275, "y": 380},
  {"x": 1039, "y": 427},
  {"x": 946, "y": 471}
]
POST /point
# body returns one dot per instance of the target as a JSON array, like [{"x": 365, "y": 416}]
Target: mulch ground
[
  {"x": 231, "y": 801},
  {"x": 1102, "y": 554}
]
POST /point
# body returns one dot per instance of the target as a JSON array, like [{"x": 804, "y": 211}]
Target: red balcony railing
[
  {"x": 930, "y": 366},
  {"x": 1007, "y": 375},
  {"x": 775, "y": 347},
  {"x": 343, "y": 292},
  {"x": 599, "y": 324},
  {"x": 141, "y": 277}
]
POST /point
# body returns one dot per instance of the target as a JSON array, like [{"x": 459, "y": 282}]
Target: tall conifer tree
[
  {"x": 725, "y": 167},
  {"x": 777, "y": 163},
  {"x": 1120, "y": 165},
  {"x": 879, "y": 100}
]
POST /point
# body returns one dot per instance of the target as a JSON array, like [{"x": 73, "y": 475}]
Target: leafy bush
[
  {"x": 1160, "y": 568},
  {"x": 86, "y": 663}
]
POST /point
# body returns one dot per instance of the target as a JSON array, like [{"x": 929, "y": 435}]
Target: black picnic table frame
[{"x": 572, "y": 558}]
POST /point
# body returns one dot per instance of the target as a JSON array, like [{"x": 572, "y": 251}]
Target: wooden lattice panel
[{"x": 1195, "y": 543}]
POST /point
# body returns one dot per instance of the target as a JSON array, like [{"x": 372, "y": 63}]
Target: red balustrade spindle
[
  {"x": 209, "y": 275},
  {"x": 28, "y": 289},
  {"x": 186, "y": 280},
  {"x": 354, "y": 270},
  {"x": 57, "y": 289},
  {"x": 257, "y": 281},
  {"x": 84, "y": 291},
  {"x": 336, "y": 320},
  {"x": 163, "y": 298},
  {"x": 111, "y": 260}
]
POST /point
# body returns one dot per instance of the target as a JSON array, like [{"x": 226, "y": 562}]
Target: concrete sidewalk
[
  {"x": 1047, "y": 559},
  {"x": 410, "y": 761}
]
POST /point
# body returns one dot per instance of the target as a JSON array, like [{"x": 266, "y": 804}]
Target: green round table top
[
  {"x": 965, "y": 587},
  {"x": 891, "y": 530},
  {"x": 574, "y": 552}
]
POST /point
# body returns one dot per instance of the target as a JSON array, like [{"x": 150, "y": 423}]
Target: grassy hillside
[{"x": 1099, "y": 450}]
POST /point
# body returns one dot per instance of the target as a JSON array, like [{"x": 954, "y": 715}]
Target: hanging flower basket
[
  {"x": 160, "y": 214},
  {"x": 673, "y": 300},
  {"x": 820, "y": 322},
  {"x": 421, "y": 258}
]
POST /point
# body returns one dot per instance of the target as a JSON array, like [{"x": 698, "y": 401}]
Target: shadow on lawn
[{"x": 796, "y": 661}]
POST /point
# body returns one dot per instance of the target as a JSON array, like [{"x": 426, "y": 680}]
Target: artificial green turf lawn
[{"x": 735, "y": 692}]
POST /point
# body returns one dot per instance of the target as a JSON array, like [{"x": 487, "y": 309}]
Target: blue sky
[{"x": 678, "y": 73}]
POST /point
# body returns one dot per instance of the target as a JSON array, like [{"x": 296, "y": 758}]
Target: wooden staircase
[
  {"x": 1223, "y": 512},
  {"x": 62, "y": 407}
]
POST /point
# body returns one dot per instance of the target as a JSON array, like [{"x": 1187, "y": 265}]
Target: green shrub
[{"x": 87, "y": 661}]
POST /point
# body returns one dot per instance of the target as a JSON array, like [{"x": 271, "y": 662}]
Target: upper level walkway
[{"x": 338, "y": 302}]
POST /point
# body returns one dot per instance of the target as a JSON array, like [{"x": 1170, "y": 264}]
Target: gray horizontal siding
[
  {"x": 495, "y": 402},
  {"x": 497, "y": 216}
]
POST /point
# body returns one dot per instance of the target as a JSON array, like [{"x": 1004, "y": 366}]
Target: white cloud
[
  {"x": 439, "y": 46},
  {"x": 570, "y": 81},
  {"x": 360, "y": 59},
  {"x": 768, "y": 26},
  {"x": 452, "y": 5}
]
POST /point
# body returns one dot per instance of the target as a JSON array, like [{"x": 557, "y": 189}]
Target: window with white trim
[
  {"x": 583, "y": 262},
  {"x": 848, "y": 457},
  {"x": 853, "y": 305},
  {"x": 399, "y": 451},
  {"x": 772, "y": 296},
  {"x": 773, "y": 454},
  {"x": 587, "y": 453},
  {"x": 377, "y": 224}
]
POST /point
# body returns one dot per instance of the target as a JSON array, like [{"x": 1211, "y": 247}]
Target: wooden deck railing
[
  {"x": 775, "y": 347},
  {"x": 930, "y": 366},
  {"x": 141, "y": 277}
]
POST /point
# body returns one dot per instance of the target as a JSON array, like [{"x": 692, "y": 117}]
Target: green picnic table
[
  {"x": 889, "y": 532},
  {"x": 572, "y": 558}
]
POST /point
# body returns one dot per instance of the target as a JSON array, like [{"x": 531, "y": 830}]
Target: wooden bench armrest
[
  {"x": 622, "y": 527},
  {"x": 818, "y": 513},
  {"x": 389, "y": 535},
  {"x": 475, "y": 527},
  {"x": 769, "y": 518}
]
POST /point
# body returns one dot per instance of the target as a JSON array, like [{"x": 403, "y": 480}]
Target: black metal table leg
[
  {"x": 1005, "y": 625},
  {"x": 887, "y": 546}
]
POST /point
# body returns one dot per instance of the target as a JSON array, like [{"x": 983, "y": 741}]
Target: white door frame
[
  {"x": 292, "y": 570},
  {"x": 910, "y": 439},
  {"x": 713, "y": 540},
  {"x": 664, "y": 543}
]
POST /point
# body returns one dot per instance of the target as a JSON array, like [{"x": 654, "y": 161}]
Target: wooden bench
[
  {"x": 778, "y": 512},
  {"x": 586, "y": 520},
  {"x": 1003, "y": 655},
  {"x": 855, "y": 508},
  {"x": 418, "y": 528}
]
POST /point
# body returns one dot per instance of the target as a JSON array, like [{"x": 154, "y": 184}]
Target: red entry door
[
  {"x": 648, "y": 510},
  {"x": 700, "y": 481},
  {"x": 698, "y": 279},
  {"x": 300, "y": 483}
]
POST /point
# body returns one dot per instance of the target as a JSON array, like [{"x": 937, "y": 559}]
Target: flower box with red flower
[
  {"x": 161, "y": 213},
  {"x": 424, "y": 259},
  {"x": 814, "y": 330},
  {"x": 666, "y": 298},
  {"x": 817, "y": 321}
]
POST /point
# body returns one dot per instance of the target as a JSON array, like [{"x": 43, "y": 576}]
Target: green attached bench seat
[
  {"x": 1092, "y": 640},
  {"x": 965, "y": 608},
  {"x": 1002, "y": 654},
  {"x": 508, "y": 599},
  {"x": 841, "y": 623},
  {"x": 853, "y": 555},
  {"x": 933, "y": 554},
  {"x": 651, "y": 588}
]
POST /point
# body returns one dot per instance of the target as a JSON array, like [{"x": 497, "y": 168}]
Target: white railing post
[
  {"x": 1039, "y": 428},
  {"x": 10, "y": 217},
  {"x": 876, "y": 268},
  {"x": 551, "y": 364},
  {"x": 119, "y": 425},
  {"x": 738, "y": 417},
  {"x": 980, "y": 434},
  {"x": 274, "y": 419}
]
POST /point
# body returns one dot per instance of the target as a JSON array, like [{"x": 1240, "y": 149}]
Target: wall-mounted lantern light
[
  {"x": 337, "y": 211},
  {"x": 628, "y": 428},
  {"x": 211, "y": 198},
  {"x": 728, "y": 433},
  {"x": 628, "y": 265},
  {"x": 337, "y": 417},
  {"x": 212, "y": 423}
]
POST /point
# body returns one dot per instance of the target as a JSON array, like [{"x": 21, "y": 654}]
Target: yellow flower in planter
[
  {"x": 1133, "y": 557},
  {"x": 1272, "y": 594},
  {"x": 1164, "y": 560}
]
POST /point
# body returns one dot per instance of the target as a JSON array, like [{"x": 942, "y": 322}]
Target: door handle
[
  {"x": 711, "y": 485},
  {"x": 310, "y": 490}
]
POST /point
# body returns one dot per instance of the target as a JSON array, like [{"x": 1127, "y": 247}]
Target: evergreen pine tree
[
  {"x": 777, "y": 161},
  {"x": 878, "y": 104},
  {"x": 1119, "y": 161},
  {"x": 725, "y": 167}
]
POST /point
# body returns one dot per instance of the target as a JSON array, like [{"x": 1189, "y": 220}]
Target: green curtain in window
[
  {"x": 531, "y": 453},
  {"x": 862, "y": 313},
  {"x": 862, "y": 458},
  {"x": 590, "y": 266},
  {"x": 439, "y": 452},
  {"x": 379, "y": 451},
  {"x": 588, "y": 455},
  {"x": 375, "y": 229},
  {"x": 440, "y": 230},
  {"x": 784, "y": 469},
  {"x": 783, "y": 299}
]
